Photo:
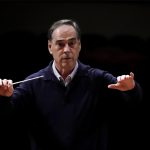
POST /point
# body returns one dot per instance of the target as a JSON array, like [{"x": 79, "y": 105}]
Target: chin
[{"x": 67, "y": 64}]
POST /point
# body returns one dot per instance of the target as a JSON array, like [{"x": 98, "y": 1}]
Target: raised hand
[{"x": 124, "y": 83}]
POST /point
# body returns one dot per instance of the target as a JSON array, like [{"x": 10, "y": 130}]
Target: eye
[
  {"x": 72, "y": 42},
  {"x": 61, "y": 44}
]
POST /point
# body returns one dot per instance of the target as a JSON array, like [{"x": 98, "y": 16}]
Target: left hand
[{"x": 124, "y": 83}]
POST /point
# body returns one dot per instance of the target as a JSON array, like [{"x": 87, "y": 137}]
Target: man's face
[{"x": 64, "y": 47}]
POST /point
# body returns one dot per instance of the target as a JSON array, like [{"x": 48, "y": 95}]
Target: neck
[{"x": 64, "y": 72}]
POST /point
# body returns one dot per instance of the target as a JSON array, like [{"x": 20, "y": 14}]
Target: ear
[
  {"x": 50, "y": 51},
  {"x": 49, "y": 47}
]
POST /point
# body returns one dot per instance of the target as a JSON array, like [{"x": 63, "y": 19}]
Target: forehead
[{"x": 63, "y": 32}]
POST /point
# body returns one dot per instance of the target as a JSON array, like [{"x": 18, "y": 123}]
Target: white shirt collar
[{"x": 69, "y": 77}]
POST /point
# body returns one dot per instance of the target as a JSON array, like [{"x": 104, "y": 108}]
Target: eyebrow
[{"x": 57, "y": 41}]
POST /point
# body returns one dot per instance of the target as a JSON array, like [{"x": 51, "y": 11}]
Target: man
[{"x": 65, "y": 109}]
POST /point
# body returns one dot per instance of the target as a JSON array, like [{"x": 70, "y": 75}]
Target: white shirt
[{"x": 69, "y": 77}]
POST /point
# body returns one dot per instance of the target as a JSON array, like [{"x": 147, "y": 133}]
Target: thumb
[{"x": 113, "y": 86}]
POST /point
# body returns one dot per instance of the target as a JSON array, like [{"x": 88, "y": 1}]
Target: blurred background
[{"x": 115, "y": 37}]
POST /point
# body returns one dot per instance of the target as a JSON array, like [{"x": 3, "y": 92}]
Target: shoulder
[
  {"x": 41, "y": 72},
  {"x": 97, "y": 73}
]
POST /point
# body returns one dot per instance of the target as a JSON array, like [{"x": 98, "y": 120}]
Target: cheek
[
  {"x": 76, "y": 53},
  {"x": 57, "y": 55}
]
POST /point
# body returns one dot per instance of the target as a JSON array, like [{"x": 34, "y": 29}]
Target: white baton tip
[{"x": 28, "y": 80}]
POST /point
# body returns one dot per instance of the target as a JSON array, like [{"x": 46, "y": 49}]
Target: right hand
[{"x": 6, "y": 87}]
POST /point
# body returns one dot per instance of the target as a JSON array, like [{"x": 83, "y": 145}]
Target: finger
[
  {"x": 1, "y": 83},
  {"x": 5, "y": 82},
  {"x": 10, "y": 83},
  {"x": 132, "y": 74},
  {"x": 127, "y": 77},
  {"x": 118, "y": 78},
  {"x": 122, "y": 77}
]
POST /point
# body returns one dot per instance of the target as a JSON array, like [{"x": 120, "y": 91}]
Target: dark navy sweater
[{"x": 68, "y": 118}]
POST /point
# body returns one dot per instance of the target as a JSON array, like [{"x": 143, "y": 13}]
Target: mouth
[{"x": 66, "y": 58}]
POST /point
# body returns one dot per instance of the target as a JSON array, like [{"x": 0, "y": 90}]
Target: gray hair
[{"x": 59, "y": 23}]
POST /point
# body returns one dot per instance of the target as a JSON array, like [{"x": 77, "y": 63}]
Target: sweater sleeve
[
  {"x": 104, "y": 78},
  {"x": 133, "y": 96}
]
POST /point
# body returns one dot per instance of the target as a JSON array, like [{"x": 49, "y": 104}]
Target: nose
[{"x": 66, "y": 48}]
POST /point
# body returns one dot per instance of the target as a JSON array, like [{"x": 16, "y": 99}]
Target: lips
[{"x": 67, "y": 58}]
